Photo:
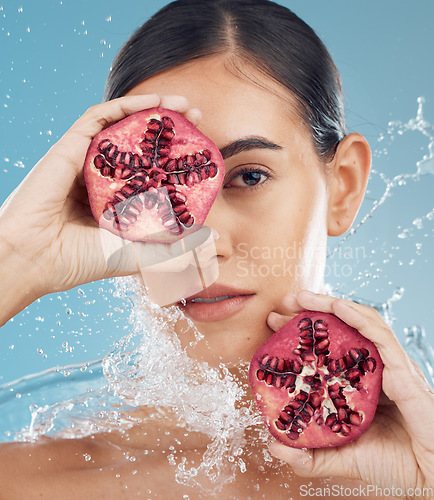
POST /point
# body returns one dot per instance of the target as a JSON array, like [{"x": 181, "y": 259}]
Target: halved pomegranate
[
  {"x": 153, "y": 176},
  {"x": 316, "y": 381}
]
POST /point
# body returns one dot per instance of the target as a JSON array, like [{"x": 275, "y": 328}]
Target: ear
[{"x": 347, "y": 179}]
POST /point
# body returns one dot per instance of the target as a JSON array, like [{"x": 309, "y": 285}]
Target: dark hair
[{"x": 260, "y": 32}]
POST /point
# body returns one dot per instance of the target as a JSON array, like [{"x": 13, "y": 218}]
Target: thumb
[
  {"x": 324, "y": 462},
  {"x": 129, "y": 257}
]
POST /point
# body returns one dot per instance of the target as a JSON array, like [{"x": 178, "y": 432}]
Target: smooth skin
[{"x": 298, "y": 200}]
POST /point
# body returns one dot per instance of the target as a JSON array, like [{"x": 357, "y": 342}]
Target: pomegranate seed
[
  {"x": 342, "y": 414},
  {"x": 345, "y": 429},
  {"x": 355, "y": 418},
  {"x": 184, "y": 217},
  {"x": 278, "y": 382},
  {"x": 352, "y": 374},
  {"x": 315, "y": 399},
  {"x": 302, "y": 396},
  {"x": 280, "y": 425},
  {"x": 330, "y": 420},
  {"x": 371, "y": 364},
  {"x": 290, "y": 381},
  {"x": 322, "y": 346},
  {"x": 179, "y": 209},
  {"x": 285, "y": 417},
  {"x": 293, "y": 435},
  {"x": 336, "y": 427},
  {"x": 265, "y": 360},
  {"x": 295, "y": 405}
]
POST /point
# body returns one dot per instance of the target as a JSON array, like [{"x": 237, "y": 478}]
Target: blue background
[{"x": 55, "y": 56}]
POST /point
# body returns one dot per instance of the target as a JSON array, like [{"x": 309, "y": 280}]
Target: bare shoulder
[{"x": 51, "y": 468}]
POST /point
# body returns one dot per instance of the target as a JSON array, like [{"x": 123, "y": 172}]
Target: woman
[{"x": 259, "y": 83}]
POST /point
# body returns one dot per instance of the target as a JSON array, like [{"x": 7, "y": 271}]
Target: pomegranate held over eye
[
  {"x": 152, "y": 176},
  {"x": 316, "y": 381}
]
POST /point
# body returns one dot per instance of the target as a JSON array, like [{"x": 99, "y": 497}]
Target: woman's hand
[
  {"x": 397, "y": 451},
  {"x": 49, "y": 240}
]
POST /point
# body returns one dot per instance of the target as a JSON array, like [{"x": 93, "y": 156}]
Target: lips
[{"x": 216, "y": 303}]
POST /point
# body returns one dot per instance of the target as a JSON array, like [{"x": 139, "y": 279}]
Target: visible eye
[{"x": 248, "y": 177}]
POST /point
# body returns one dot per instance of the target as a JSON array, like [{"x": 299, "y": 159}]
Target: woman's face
[{"x": 271, "y": 212}]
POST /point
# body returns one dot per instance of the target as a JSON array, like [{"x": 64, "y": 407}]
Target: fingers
[
  {"x": 275, "y": 321},
  {"x": 100, "y": 116},
  {"x": 365, "y": 319},
  {"x": 171, "y": 272},
  {"x": 74, "y": 143},
  {"x": 125, "y": 257},
  {"x": 194, "y": 115},
  {"x": 306, "y": 300}
]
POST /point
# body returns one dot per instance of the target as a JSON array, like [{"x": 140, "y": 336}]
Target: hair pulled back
[{"x": 264, "y": 34}]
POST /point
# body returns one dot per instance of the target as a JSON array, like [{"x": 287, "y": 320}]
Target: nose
[{"x": 219, "y": 220}]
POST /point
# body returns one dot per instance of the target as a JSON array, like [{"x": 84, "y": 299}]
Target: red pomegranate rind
[
  {"x": 152, "y": 176},
  {"x": 316, "y": 381}
]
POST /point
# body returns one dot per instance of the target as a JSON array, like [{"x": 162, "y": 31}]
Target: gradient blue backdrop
[{"x": 55, "y": 56}]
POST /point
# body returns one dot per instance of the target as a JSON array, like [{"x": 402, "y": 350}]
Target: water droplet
[{"x": 418, "y": 223}]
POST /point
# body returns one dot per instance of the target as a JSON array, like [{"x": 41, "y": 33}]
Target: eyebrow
[{"x": 246, "y": 144}]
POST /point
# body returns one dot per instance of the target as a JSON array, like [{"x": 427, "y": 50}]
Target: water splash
[
  {"x": 150, "y": 368},
  {"x": 423, "y": 167},
  {"x": 198, "y": 397},
  {"x": 390, "y": 198},
  {"x": 420, "y": 350},
  {"x": 400, "y": 237}
]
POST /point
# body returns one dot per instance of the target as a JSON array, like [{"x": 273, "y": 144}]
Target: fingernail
[{"x": 215, "y": 233}]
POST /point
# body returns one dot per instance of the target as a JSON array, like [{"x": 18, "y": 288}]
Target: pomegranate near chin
[
  {"x": 316, "y": 381},
  {"x": 152, "y": 176}
]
